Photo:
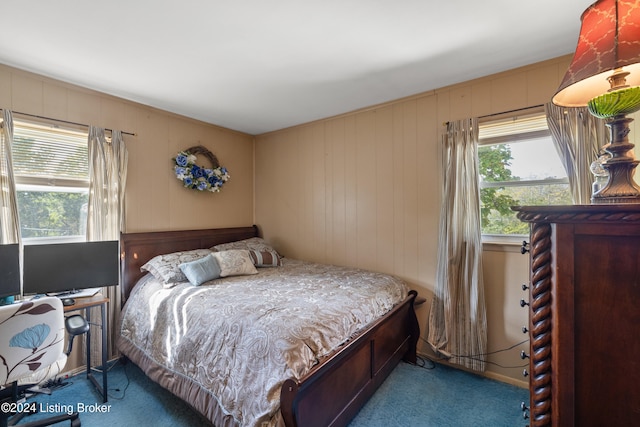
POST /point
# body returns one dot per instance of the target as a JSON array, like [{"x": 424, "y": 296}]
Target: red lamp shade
[{"x": 609, "y": 39}]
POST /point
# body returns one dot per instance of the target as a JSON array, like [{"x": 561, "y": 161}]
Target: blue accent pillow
[{"x": 201, "y": 270}]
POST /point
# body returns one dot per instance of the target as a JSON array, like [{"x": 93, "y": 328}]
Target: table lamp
[{"x": 604, "y": 75}]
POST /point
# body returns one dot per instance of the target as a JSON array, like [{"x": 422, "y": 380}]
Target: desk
[{"x": 87, "y": 304}]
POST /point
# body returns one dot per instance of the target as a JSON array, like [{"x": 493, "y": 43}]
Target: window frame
[
  {"x": 49, "y": 183},
  {"x": 514, "y": 138}
]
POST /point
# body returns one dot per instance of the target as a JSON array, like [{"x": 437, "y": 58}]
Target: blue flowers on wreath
[{"x": 197, "y": 177}]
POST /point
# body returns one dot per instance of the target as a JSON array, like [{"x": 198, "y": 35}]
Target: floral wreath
[{"x": 198, "y": 177}]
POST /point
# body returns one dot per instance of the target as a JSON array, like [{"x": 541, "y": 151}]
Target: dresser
[{"x": 584, "y": 315}]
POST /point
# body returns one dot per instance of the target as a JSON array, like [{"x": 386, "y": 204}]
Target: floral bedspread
[{"x": 226, "y": 347}]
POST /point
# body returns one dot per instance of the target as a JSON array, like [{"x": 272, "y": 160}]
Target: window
[
  {"x": 51, "y": 170},
  {"x": 518, "y": 165}
]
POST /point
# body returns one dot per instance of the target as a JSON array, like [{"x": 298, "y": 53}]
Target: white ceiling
[{"x": 261, "y": 65}]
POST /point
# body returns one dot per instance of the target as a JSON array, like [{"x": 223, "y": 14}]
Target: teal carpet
[
  {"x": 442, "y": 397},
  {"x": 411, "y": 396}
]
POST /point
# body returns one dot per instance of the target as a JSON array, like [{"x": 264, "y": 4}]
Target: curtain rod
[
  {"x": 65, "y": 121},
  {"x": 511, "y": 111},
  {"x": 504, "y": 112}
]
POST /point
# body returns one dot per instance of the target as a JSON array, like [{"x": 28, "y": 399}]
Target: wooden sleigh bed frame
[{"x": 333, "y": 392}]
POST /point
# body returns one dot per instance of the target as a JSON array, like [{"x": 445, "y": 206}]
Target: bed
[{"x": 322, "y": 381}]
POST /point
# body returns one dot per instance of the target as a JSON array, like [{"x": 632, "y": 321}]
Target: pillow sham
[
  {"x": 234, "y": 262},
  {"x": 252, "y": 244},
  {"x": 166, "y": 268},
  {"x": 265, "y": 258},
  {"x": 201, "y": 270}
]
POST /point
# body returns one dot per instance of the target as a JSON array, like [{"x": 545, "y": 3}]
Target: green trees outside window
[
  {"x": 518, "y": 166},
  {"x": 52, "y": 213}
]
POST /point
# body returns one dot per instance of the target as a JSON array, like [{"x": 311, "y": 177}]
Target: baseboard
[
  {"x": 487, "y": 374},
  {"x": 72, "y": 372},
  {"x": 81, "y": 369},
  {"x": 506, "y": 379}
]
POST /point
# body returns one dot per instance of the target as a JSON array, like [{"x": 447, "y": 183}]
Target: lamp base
[{"x": 620, "y": 188}]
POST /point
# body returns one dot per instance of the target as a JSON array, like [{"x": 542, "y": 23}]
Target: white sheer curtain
[
  {"x": 105, "y": 216},
  {"x": 457, "y": 323},
  {"x": 578, "y": 137},
  {"x": 9, "y": 220}
]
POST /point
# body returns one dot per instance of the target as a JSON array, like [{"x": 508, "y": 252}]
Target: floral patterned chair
[{"x": 31, "y": 352}]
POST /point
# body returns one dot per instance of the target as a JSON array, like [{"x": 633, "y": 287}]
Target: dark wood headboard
[{"x": 138, "y": 248}]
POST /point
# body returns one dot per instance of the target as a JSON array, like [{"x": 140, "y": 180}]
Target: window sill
[
  {"x": 51, "y": 240},
  {"x": 503, "y": 243}
]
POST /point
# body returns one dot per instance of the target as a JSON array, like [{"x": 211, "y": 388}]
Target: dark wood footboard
[{"x": 335, "y": 390}]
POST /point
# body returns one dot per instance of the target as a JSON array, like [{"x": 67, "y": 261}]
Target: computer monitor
[
  {"x": 66, "y": 267},
  {"x": 9, "y": 270}
]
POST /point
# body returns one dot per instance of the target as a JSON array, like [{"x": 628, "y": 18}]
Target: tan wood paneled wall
[
  {"x": 363, "y": 189},
  {"x": 155, "y": 199}
]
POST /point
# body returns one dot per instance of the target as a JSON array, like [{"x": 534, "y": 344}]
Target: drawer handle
[
  {"x": 523, "y": 303},
  {"x": 524, "y": 330},
  {"x": 525, "y": 247},
  {"x": 525, "y": 373},
  {"x": 523, "y": 355},
  {"x": 524, "y": 287}
]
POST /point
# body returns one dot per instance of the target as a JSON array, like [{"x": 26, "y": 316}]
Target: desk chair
[{"x": 31, "y": 351}]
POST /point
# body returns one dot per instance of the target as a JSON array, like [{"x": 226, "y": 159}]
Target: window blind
[
  {"x": 48, "y": 153},
  {"x": 513, "y": 129}
]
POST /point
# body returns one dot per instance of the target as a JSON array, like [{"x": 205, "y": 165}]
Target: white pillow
[{"x": 234, "y": 262}]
